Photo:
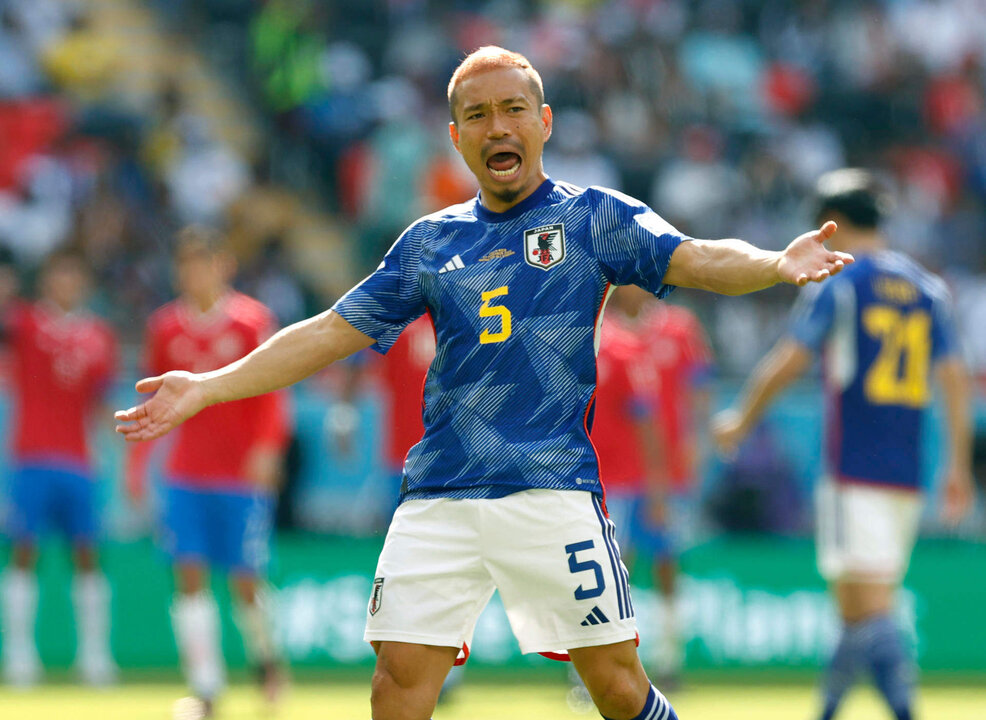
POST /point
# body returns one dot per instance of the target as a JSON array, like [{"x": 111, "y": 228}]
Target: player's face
[
  {"x": 500, "y": 131},
  {"x": 201, "y": 277},
  {"x": 66, "y": 285}
]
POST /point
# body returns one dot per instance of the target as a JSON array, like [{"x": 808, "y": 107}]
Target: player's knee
[
  {"x": 24, "y": 556},
  {"x": 388, "y": 679},
  {"x": 85, "y": 559},
  {"x": 391, "y": 694}
]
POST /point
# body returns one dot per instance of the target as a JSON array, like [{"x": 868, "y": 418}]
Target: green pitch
[{"x": 480, "y": 701}]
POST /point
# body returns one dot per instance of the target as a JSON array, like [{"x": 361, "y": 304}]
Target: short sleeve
[
  {"x": 389, "y": 299},
  {"x": 813, "y": 315},
  {"x": 944, "y": 338},
  {"x": 632, "y": 243}
]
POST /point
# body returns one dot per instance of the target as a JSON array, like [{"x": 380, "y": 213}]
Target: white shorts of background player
[{"x": 865, "y": 532}]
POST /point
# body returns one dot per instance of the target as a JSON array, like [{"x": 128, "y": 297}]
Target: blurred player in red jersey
[
  {"x": 222, "y": 469},
  {"x": 403, "y": 373},
  {"x": 668, "y": 397},
  {"x": 62, "y": 360}
]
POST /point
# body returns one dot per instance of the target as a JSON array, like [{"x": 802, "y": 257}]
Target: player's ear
[
  {"x": 453, "y": 133},
  {"x": 546, "y": 120}
]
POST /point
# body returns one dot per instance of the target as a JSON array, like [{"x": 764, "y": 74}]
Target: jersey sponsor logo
[
  {"x": 544, "y": 247},
  {"x": 497, "y": 254},
  {"x": 376, "y": 597},
  {"x": 454, "y": 264}
]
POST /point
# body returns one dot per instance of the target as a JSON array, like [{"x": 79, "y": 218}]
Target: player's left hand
[
  {"x": 727, "y": 431},
  {"x": 807, "y": 259},
  {"x": 263, "y": 468},
  {"x": 958, "y": 496},
  {"x": 657, "y": 510},
  {"x": 177, "y": 396}
]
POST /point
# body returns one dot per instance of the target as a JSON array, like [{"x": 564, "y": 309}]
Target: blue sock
[
  {"x": 842, "y": 670},
  {"x": 893, "y": 672},
  {"x": 656, "y": 707}
]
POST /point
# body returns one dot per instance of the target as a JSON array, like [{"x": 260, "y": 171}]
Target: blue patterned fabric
[{"x": 516, "y": 299}]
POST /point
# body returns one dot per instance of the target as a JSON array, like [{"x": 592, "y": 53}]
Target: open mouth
[{"x": 504, "y": 165}]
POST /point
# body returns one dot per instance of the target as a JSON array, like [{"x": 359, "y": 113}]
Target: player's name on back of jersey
[{"x": 895, "y": 290}]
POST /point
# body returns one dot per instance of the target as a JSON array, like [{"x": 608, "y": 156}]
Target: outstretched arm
[
  {"x": 958, "y": 487},
  {"x": 291, "y": 355},
  {"x": 781, "y": 366},
  {"x": 734, "y": 267}
]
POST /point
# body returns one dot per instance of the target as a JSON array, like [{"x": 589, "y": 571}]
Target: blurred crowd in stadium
[{"x": 315, "y": 132}]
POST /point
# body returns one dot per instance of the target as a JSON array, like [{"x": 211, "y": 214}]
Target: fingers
[
  {"x": 135, "y": 424},
  {"x": 136, "y": 432},
  {"x": 826, "y": 231},
  {"x": 135, "y": 413},
  {"x": 149, "y": 384}
]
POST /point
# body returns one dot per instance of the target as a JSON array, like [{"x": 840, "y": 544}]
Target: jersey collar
[
  {"x": 197, "y": 320},
  {"x": 517, "y": 210}
]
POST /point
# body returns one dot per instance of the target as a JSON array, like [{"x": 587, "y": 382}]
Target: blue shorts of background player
[
  {"x": 637, "y": 530},
  {"x": 228, "y": 529},
  {"x": 52, "y": 497}
]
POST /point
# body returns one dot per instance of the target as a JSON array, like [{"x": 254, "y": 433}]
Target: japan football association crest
[
  {"x": 376, "y": 597},
  {"x": 544, "y": 247}
]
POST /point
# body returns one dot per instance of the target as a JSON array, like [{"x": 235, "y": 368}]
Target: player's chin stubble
[{"x": 505, "y": 195}]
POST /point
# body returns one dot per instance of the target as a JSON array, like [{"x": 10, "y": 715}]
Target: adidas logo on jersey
[
  {"x": 595, "y": 617},
  {"x": 454, "y": 264}
]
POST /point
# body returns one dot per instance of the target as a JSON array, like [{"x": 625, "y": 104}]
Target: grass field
[{"x": 349, "y": 701}]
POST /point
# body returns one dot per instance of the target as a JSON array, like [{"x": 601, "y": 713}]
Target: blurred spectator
[
  {"x": 19, "y": 73},
  {"x": 700, "y": 190},
  {"x": 575, "y": 155},
  {"x": 205, "y": 177},
  {"x": 83, "y": 61}
]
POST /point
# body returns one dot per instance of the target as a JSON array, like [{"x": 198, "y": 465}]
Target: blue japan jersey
[
  {"x": 516, "y": 299},
  {"x": 881, "y": 325}
]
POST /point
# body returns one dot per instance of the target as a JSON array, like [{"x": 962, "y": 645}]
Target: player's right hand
[
  {"x": 177, "y": 396},
  {"x": 727, "y": 432},
  {"x": 959, "y": 494}
]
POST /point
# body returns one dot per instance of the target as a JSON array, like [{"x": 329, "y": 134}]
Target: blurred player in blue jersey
[
  {"x": 503, "y": 490},
  {"x": 884, "y": 329}
]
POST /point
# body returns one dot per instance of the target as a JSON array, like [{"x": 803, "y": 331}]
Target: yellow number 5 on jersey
[{"x": 499, "y": 311}]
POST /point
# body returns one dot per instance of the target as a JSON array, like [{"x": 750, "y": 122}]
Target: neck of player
[{"x": 499, "y": 200}]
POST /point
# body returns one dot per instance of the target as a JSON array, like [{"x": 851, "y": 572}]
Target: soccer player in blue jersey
[
  {"x": 885, "y": 331},
  {"x": 503, "y": 490}
]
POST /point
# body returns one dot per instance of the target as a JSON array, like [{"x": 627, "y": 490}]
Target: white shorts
[
  {"x": 865, "y": 532},
  {"x": 552, "y": 554}
]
